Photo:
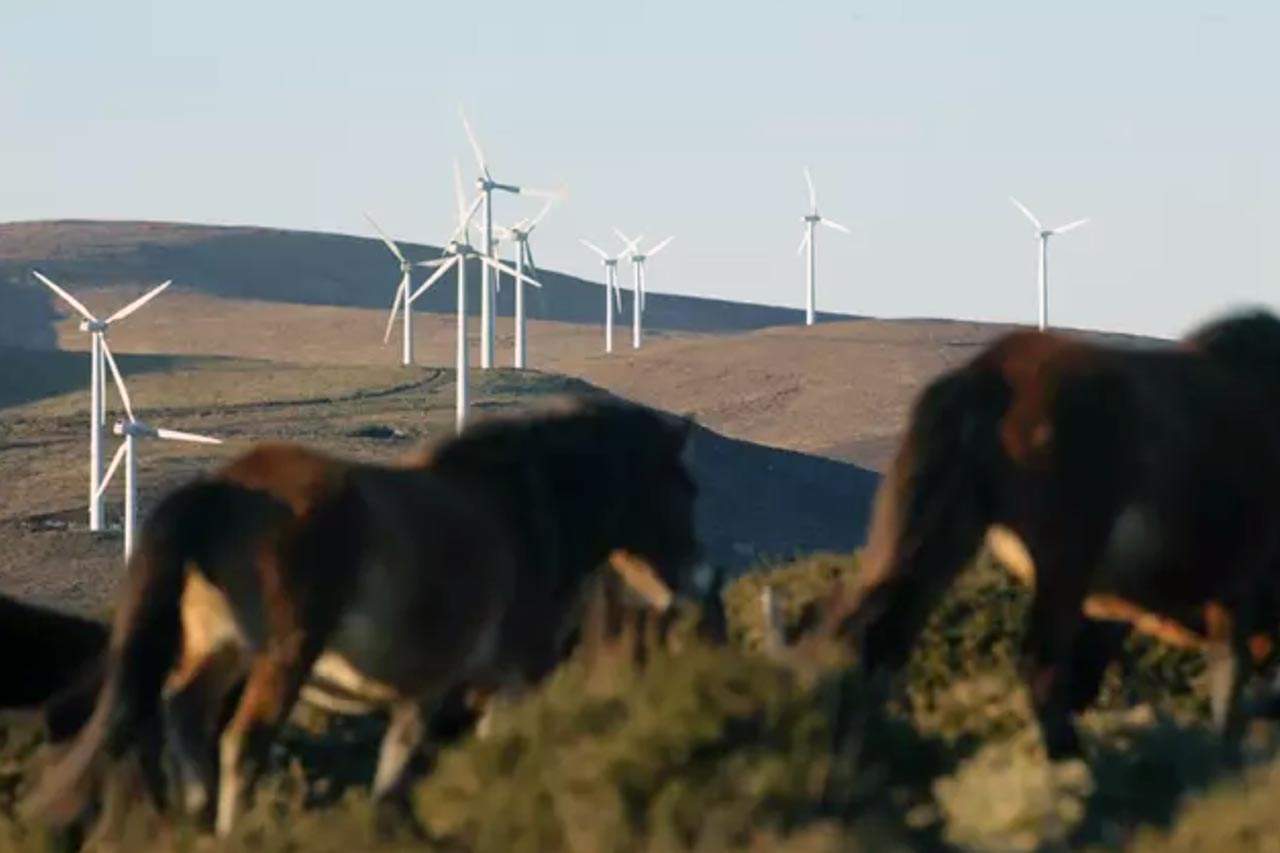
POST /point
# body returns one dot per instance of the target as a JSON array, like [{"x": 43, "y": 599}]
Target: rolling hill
[{"x": 296, "y": 267}]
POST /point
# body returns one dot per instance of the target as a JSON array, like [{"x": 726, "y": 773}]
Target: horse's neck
[{"x": 575, "y": 508}]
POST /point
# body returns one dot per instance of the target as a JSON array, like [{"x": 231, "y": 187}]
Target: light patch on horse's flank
[
  {"x": 640, "y": 576},
  {"x": 208, "y": 624},
  {"x": 1113, "y": 608},
  {"x": 338, "y": 671},
  {"x": 1008, "y": 549}
]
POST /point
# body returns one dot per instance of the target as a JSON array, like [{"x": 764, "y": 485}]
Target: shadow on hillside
[
  {"x": 759, "y": 502},
  {"x": 27, "y": 376}
]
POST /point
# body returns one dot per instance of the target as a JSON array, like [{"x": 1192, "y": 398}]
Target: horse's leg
[
  {"x": 1227, "y": 654},
  {"x": 403, "y": 737},
  {"x": 269, "y": 693},
  {"x": 193, "y": 712},
  {"x": 1058, "y": 647},
  {"x": 1096, "y": 646}
]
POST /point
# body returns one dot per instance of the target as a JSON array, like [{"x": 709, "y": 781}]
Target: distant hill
[{"x": 287, "y": 266}]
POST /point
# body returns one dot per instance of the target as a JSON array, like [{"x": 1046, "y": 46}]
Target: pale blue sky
[{"x": 1157, "y": 119}]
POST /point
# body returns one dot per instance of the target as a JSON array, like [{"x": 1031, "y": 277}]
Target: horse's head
[
  {"x": 1247, "y": 343},
  {"x": 655, "y": 521}
]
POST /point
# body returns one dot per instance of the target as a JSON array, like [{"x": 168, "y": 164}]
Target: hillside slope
[
  {"x": 754, "y": 501},
  {"x": 276, "y": 265}
]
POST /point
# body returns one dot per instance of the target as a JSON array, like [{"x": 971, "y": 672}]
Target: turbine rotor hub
[{"x": 137, "y": 429}]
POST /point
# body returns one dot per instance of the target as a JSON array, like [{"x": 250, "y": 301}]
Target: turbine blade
[
  {"x": 553, "y": 195},
  {"x": 465, "y": 221},
  {"x": 435, "y": 276},
  {"x": 836, "y": 225},
  {"x": 529, "y": 262},
  {"x": 395, "y": 250},
  {"x": 658, "y": 248},
  {"x": 804, "y": 241},
  {"x": 1070, "y": 226},
  {"x": 604, "y": 256},
  {"x": 179, "y": 435},
  {"x": 459, "y": 194},
  {"x": 617, "y": 292},
  {"x": 138, "y": 303},
  {"x": 1027, "y": 213},
  {"x": 546, "y": 208},
  {"x": 434, "y": 263},
  {"x": 813, "y": 194},
  {"x": 70, "y": 300},
  {"x": 501, "y": 267},
  {"x": 111, "y": 470},
  {"x": 395, "y": 309},
  {"x": 475, "y": 144},
  {"x": 115, "y": 373}
]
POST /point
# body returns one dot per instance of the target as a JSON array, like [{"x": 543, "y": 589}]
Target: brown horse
[
  {"x": 1140, "y": 488},
  {"x": 365, "y": 587}
]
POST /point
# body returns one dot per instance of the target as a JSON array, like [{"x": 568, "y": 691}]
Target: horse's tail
[
  {"x": 144, "y": 643},
  {"x": 931, "y": 512}
]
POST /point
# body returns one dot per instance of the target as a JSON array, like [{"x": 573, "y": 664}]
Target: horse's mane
[
  {"x": 572, "y": 424},
  {"x": 1246, "y": 342},
  {"x": 574, "y": 459}
]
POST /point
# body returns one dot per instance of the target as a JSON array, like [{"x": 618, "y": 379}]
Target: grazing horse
[
  {"x": 364, "y": 587},
  {"x": 1139, "y": 488},
  {"x": 47, "y": 653}
]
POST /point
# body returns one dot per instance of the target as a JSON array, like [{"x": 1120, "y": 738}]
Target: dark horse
[
  {"x": 1140, "y": 488},
  {"x": 366, "y": 587},
  {"x": 48, "y": 654}
]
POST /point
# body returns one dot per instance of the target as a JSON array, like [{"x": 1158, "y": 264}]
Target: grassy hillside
[{"x": 708, "y": 748}]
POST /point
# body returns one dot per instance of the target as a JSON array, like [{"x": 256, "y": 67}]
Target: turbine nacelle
[
  {"x": 137, "y": 429},
  {"x": 94, "y": 326}
]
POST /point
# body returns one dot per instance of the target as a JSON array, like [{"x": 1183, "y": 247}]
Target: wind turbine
[
  {"x": 638, "y": 259},
  {"x": 486, "y": 184},
  {"x": 131, "y": 430},
  {"x": 519, "y": 234},
  {"x": 402, "y": 291},
  {"x": 456, "y": 252},
  {"x": 1044, "y": 234},
  {"x": 811, "y": 219},
  {"x": 97, "y": 330},
  {"x": 612, "y": 291}
]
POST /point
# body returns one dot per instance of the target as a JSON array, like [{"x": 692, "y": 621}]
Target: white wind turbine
[
  {"x": 612, "y": 290},
  {"x": 519, "y": 234},
  {"x": 97, "y": 330},
  {"x": 638, "y": 259},
  {"x": 456, "y": 253},
  {"x": 131, "y": 430},
  {"x": 812, "y": 219},
  {"x": 1043, "y": 234},
  {"x": 486, "y": 184},
  {"x": 401, "y": 300}
]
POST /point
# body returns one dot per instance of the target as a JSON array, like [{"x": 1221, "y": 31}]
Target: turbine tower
[
  {"x": 811, "y": 219},
  {"x": 638, "y": 259},
  {"x": 456, "y": 252},
  {"x": 519, "y": 234},
  {"x": 1043, "y": 234},
  {"x": 97, "y": 330},
  {"x": 401, "y": 300},
  {"x": 486, "y": 184},
  {"x": 612, "y": 291},
  {"x": 131, "y": 430}
]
